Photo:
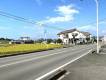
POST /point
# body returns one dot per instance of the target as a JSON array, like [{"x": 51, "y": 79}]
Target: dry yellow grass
[{"x": 22, "y": 48}]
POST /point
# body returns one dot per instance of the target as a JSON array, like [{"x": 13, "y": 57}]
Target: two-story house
[{"x": 68, "y": 36}]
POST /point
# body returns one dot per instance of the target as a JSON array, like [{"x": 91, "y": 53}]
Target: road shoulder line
[{"x": 47, "y": 74}]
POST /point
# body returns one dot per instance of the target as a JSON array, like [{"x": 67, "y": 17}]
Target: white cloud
[
  {"x": 88, "y": 28},
  {"x": 59, "y": 19},
  {"x": 66, "y": 10},
  {"x": 104, "y": 32},
  {"x": 102, "y": 22},
  {"x": 92, "y": 28},
  {"x": 65, "y": 14}
]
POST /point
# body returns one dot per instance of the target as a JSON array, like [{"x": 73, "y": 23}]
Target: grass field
[{"x": 25, "y": 48}]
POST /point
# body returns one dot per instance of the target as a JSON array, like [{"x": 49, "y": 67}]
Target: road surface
[{"x": 35, "y": 65}]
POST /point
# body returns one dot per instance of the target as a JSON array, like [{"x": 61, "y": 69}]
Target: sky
[{"x": 50, "y": 17}]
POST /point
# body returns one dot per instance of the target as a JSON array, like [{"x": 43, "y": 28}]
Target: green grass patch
[{"x": 25, "y": 48}]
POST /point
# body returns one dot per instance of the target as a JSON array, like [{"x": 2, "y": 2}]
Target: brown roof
[
  {"x": 86, "y": 33},
  {"x": 72, "y": 30},
  {"x": 67, "y": 31}
]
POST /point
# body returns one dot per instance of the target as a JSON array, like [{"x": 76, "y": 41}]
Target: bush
[
  {"x": 49, "y": 41},
  {"x": 59, "y": 41}
]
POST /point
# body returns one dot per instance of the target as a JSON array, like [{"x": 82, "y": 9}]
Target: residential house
[
  {"x": 74, "y": 35},
  {"x": 104, "y": 39},
  {"x": 25, "y": 38},
  {"x": 22, "y": 40}
]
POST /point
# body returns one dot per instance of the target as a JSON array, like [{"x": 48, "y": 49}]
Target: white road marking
[
  {"x": 31, "y": 59},
  {"x": 67, "y": 73},
  {"x": 47, "y": 74}
]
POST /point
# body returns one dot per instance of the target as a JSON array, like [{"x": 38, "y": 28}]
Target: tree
[
  {"x": 88, "y": 40},
  {"x": 59, "y": 41},
  {"x": 49, "y": 40},
  {"x": 40, "y": 40},
  {"x": 6, "y": 39},
  {"x": 2, "y": 38},
  {"x": 94, "y": 39},
  {"x": 74, "y": 39}
]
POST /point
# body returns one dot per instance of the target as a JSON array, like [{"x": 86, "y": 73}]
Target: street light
[{"x": 97, "y": 23}]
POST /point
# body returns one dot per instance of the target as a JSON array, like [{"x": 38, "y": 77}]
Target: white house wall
[
  {"x": 90, "y": 37},
  {"x": 70, "y": 35},
  {"x": 65, "y": 40},
  {"x": 61, "y": 36},
  {"x": 80, "y": 35},
  {"x": 104, "y": 39}
]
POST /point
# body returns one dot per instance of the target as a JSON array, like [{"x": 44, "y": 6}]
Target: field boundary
[{"x": 22, "y": 53}]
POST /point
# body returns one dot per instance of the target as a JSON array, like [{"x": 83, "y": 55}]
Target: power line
[
  {"x": 5, "y": 14},
  {"x": 8, "y": 15},
  {"x": 93, "y": 23}
]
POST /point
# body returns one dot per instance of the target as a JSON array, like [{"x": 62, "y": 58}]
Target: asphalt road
[{"x": 34, "y": 65}]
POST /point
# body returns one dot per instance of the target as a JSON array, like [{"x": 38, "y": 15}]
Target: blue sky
[{"x": 64, "y": 14}]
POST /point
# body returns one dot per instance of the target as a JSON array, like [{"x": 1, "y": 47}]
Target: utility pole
[{"x": 97, "y": 23}]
